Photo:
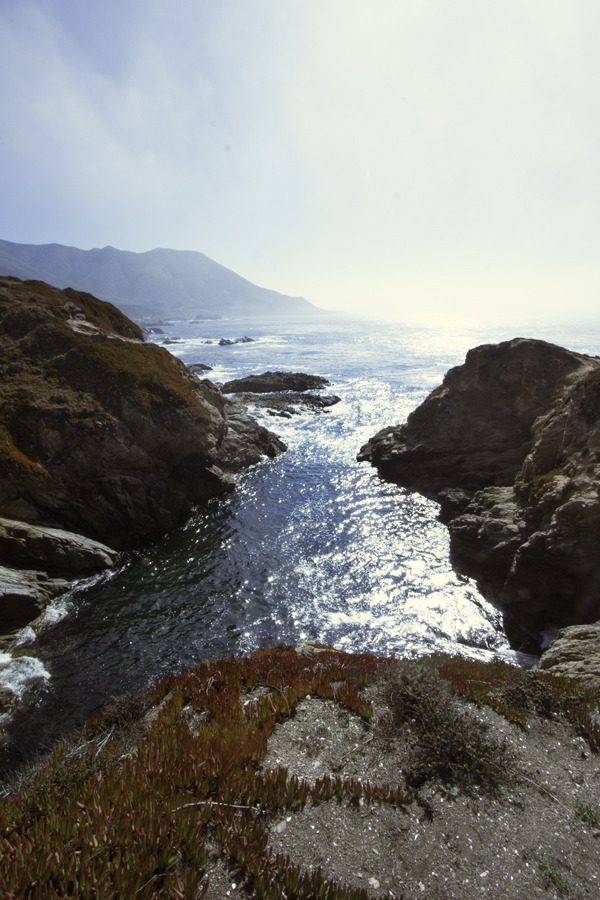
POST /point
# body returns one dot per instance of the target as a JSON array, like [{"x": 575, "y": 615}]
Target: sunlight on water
[{"x": 312, "y": 545}]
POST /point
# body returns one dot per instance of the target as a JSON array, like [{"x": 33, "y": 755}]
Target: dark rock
[
  {"x": 225, "y": 342},
  {"x": 509, "y": 444},
  {"x": 102, "y": 434},
  {"x": 273, "y": 382},
  {"x": 32, "y": 547},
  {"x": 199, "y": 368},
  {"x": 289, "y": 403},
  {"x": 25, "y": 594}
]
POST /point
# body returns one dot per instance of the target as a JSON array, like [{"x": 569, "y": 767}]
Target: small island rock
[{"x": 272, "y": 382}]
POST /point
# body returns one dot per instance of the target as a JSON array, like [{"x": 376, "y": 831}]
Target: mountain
[{"x": 157, "y": 284}]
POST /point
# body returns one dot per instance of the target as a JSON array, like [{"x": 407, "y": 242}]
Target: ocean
[{"x": 311, "y": 546}]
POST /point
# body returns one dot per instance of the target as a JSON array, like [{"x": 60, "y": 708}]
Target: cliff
[
  {"x": 509, "y": 444},
  {"x": 100, "y": 433}
]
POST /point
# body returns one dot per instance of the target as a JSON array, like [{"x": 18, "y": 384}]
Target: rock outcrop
[
  {"x": 29, "y": 546},
  {"x": 28, "y": 554},
  {"x": 509, "y": 444},
  {"x": 576, "y": 654},
  {"x": 272, "y": 382},
  {"x": 103, "y": 434},
  {"x": 25, "y": 593}
]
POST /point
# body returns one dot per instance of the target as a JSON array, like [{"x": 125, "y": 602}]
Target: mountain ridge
[{"x": 154, "y": 284}]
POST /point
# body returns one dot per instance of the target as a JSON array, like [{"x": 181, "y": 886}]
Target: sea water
[{"x": 311, "y": 546}]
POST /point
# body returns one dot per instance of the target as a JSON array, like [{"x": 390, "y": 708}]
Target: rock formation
[
  {"x": 272, "y": 382},
  {"x": 100, "y": 433},
  {"x": 509, "y": 444},
  {"x": 576, "y": 654}
]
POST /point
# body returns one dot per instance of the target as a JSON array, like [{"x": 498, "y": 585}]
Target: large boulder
[
  {"x": 103, "y": 434},
  {"x": 509, "y": 445},
  {"x": 28, "y": 553},
  {"x": 576, "y": 654}
]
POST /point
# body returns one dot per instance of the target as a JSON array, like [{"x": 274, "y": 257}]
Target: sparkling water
[{"x": 311, "y": 546}]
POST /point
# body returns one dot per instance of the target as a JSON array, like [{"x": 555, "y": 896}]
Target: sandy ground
[{"x": 527, "y": 841}]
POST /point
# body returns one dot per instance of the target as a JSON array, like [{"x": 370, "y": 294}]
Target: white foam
[{"x": 19, "y": 673}]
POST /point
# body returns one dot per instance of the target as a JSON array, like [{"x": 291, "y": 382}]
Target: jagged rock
[
  {"x": 199, "y": 368},
  {"x": 576, "y": 654},
  {"x": 51, "y": 548},
  {"x": 271, "y": 382},
  {"x": 101, "y": 433},
  {"x": 24, "y": 594},
  {"x": 286, "y": 403},
  {"x": 509, "y": 444}
]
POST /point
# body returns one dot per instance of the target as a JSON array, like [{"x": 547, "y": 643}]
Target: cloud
[{"x": 321, "y": 147}]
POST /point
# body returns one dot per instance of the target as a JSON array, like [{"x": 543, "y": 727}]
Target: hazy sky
[{"x": 379, "y": 155}]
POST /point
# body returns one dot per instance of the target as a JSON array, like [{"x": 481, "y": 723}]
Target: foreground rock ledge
[{"x": 509, "y": 444}]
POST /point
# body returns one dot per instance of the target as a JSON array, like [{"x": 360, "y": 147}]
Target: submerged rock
[
  {"x": 509, "y": 444},
  {"x": 101, "y": 433}
]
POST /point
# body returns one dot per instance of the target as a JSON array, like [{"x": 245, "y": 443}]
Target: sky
[{"x": 379, "y": 156}]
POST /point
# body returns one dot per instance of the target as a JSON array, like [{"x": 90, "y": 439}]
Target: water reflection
[{"x": 312, "y": 545}]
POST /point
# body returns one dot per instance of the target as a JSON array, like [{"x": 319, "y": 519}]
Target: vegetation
[
  {"x": 517, "y": 693},
  {"x": 553, "y": 878},
  {"x": 450, "y": 744},
  {"x": 588, "y": 814},
  {"x": 543, "y": 481},
  {"x": 163, "y": 779},
  {"x": 97, "y": 823}
]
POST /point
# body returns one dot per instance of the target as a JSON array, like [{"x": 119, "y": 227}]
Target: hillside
[
  {"x": 101, "y": 433},
  {"x": 148, "y": 286}
]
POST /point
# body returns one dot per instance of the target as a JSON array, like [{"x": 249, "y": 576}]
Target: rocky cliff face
[
  {"x": 101, "y": 433},
  {"x": 509, "y": 445}
]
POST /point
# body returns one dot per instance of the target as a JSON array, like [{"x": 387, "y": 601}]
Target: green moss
[
  {"x": 9, "y": 451},
  {"x": 543, "y": 481},
  {"x": 149, "y": 374},
  {"x": 104, "y": 314}
]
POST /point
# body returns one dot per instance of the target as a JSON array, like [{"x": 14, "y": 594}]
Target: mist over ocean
[{"x": 311, "y": 545}]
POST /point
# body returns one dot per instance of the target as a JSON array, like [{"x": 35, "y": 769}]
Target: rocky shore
[
  {"x": 282, "y": 394},
  {"x": 102, "y": 436},
  {"x": 509, "y": 445}
]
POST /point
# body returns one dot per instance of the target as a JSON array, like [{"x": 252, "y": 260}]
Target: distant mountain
[{"x": 158, "y": 284}]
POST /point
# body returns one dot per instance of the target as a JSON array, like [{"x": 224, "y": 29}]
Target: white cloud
[{"x": 324, "y": 147}]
